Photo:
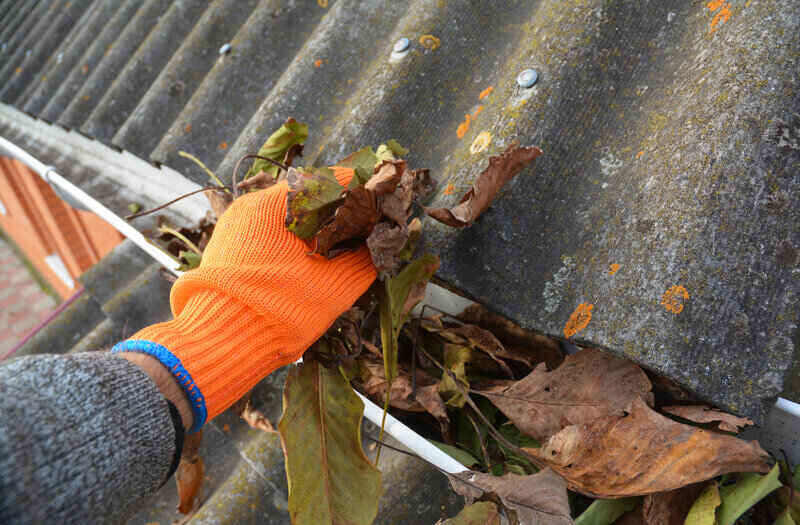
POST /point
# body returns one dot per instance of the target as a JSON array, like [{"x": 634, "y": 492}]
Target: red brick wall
[{"x": 41, "y": 224}]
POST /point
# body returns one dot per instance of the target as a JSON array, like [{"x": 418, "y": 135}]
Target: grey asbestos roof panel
[
  {"x": 34, "y": 58},
  {"x": 38, "y": 93},
  {"x": 55, "y": 104},
  {"x": 114, "y": 60},
  {"x": 178, "y": 81},
  {"x": 143, "y": 67},
  {"x": 666, "y": 201}
]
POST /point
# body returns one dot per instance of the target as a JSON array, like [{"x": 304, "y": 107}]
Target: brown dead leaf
[
  {"x": 588, "y": 385},
  {"x": 385, "y": 244},
  {"x": 539, "y": 499},
  {"x": 260, "y": 181},
  {"x": 354, "y": 219},
  {"x": 219, "y": 201},
  {"x": 501, "y": 169},
  {"x": 520, "y": 344},
  {"x": 373, "y": 383},
  {"x": 255, "y": 418},
  {"x": 386, "y": 178},
  {"x": 413, "y": 185},
  {"x": 295, "y": 150},
  {"x": 704, "y": 414},
  {"x": 633, "y": 517},
  {"x": 478, "y": 339},
  {"x": 189, "y": 476},
  {"x": 644, "y": 452},
  {"x": 670, "y": 508}
]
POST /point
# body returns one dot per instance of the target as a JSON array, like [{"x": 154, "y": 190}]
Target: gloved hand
[{"x": 256, "y": 303}]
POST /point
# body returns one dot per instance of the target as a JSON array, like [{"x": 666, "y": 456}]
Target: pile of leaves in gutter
[{"x": 586, "y": 438}]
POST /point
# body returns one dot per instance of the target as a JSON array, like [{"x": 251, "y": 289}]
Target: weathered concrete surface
[{"x": 671, "y": 151}]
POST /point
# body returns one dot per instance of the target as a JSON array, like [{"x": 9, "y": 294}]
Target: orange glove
[{"x": 255, "y": 304}]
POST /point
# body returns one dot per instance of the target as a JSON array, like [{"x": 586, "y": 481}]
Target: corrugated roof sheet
[{"x": 671, "y": 132}]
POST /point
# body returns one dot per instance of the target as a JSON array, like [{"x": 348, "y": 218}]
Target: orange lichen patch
[
  {"x": 85, "y": 69},
  {"x": 477, "y": 111},
  {"x": 578, "y": 320},
  {"x": 673, "y": 299},
  {"x": 481, "y": 142},
  {"x": 18, "y": 70},
  {"x": 486, "y": 92},
  {"x": 187, "y": 128},
  {"x": 614, "y": 269},
  {"x": 463, "y": 127},
  {"x": 429, "y": 42},
  {"x": 226, "y": 427},
  {"x": 639, "y": 155},
  {"x": 322, "y": 3},
  {"x": 318, "y": 62},
  {"x": 449, "y": 189},
  {"x": 223, "y": 145},
  {"x": 723, "y": 9}
]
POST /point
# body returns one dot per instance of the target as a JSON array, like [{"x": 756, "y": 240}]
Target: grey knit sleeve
[{"x": 82, "y": 438}]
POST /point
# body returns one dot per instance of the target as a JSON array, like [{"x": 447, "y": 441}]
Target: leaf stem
[
  {"x": 236, "y": 169},
  {"x": 497, "y": 435},
  {"x": 173, "y": 201},
  {"x": 175, "y": 233},
  {"x": 383, "y": 421},
  {"x": 203, "y": 166}
]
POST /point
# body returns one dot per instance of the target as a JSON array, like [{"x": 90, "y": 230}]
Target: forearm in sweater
[{"x": 82, "y": 438}]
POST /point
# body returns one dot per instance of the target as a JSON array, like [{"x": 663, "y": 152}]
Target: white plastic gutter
[
  {"x": 413, "y": 441},
  {"x": 49, "y": 174}
]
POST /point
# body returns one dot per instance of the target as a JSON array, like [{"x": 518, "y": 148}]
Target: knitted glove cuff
[{"x": 217, "y": 349}]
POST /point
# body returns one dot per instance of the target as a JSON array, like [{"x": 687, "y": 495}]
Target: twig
[
  {"x": 200, "y": 163},
  {"x": 281, "y": 165},
  {"x": 497, "y": 435},
  {"x": 175, "y": 233},
  {"x": 480, "y": 439},
  {"x": 173, "y": 201},
  {"x": 460, "y": 480}
]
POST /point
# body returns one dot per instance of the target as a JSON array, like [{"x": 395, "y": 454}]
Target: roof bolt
[
  {"x": 527, "y": 78},
  {"x": 225, "y": 49},
  {"x": 401, "y": 45}
]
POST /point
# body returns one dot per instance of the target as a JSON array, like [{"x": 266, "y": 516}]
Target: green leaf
[
  {"x": 276, "y": 146},
  {"x": 515, "y": 468},
  {"x": 402, "y": 293},
  {"x": 784, "y": 519},
  {"x": 392, "y": 150},
  {"x": 704, "y": 509},
  {"x": 134, "y": 207},
  {"x": 746, "y": 492},
  {"x": 480, "y": 513},
  {"x": 192, "y": 260},
  {"x": 313, "y": 196},
  {"x": 365, "y": 159},
  {"x": 456, "y": 358},
  {"x": 330, "y": 479},
  {"x": 462, "y": 456},
  {"x": 516, "y": 437},
  {"x": 606, "y": 511},
  {"x": 796, "y": 478}
]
